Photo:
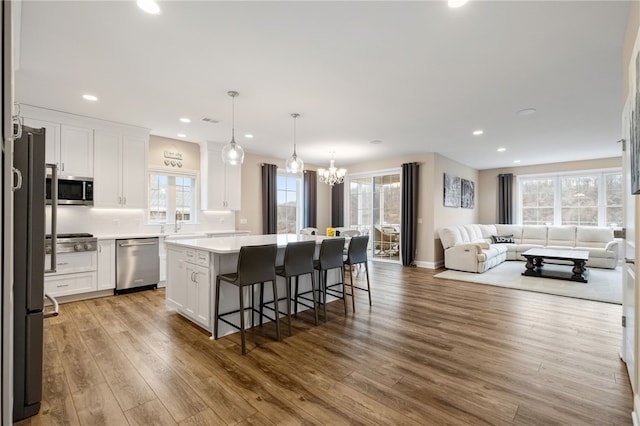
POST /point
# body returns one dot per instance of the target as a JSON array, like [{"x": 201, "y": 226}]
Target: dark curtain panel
[
  {"x": 310, "y": 198},
  {"x": 505, "y": 198},
  {"x": 409, "y": 213},
  {"x": 337, "y": 205},
  {"x": 269, "y": 199}
]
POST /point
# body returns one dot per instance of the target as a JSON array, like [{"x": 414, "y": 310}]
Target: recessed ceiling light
[
  {"x": 375, "y": 142},
  {"x": 502, "y": 149},
  {"x": 149, "y": 6},
  {"x": 248, "y": 136},
  {"x": 526, "y": 111},
  {"x": 182, "y": 135},
  {"x": 185, "y": 120},
  {"x": 516, "y": 161},
  {"x": 478, "y": 132},
  {"x": 88, "y": 97},
  {"x": 456, "y": 3}
]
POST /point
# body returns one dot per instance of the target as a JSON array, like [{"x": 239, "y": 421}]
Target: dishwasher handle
[{"x": 138, "y": 244}]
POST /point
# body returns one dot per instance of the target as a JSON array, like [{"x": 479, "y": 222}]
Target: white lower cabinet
[
  {"x": 106, "y": 264},
  {"x": 189, "y": 284},
  {"x": 68, "y": 284}
]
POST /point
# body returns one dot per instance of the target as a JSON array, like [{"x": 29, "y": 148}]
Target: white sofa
[{"x": 471, "y": 248}]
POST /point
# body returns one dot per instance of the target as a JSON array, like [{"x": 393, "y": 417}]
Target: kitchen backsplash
[{"x": 115, "y": 221}]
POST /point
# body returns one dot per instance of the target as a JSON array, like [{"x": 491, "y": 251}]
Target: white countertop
[
  {"x": 158, "y": 234},
  {"x": 226, "y": 245}
]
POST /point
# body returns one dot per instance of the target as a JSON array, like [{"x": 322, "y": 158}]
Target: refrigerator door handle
[
  {"x": 54, "y": 215},
  {"x": 56, "y": 307},
  {"x": 18, "y": 184}
]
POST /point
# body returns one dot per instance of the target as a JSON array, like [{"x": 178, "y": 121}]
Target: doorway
[{"x": 373, "y": 208}]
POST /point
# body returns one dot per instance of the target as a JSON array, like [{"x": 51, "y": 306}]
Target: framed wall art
[{"x": 452, "y": 187}]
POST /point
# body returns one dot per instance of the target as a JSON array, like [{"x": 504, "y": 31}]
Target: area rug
[{"x": 605, "y": 285}]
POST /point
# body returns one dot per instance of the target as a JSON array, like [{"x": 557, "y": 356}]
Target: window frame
[
  {"x": 557, "y": 202},
  {"x": 299, "y": 197},
  {"x": 171, "y": 207}
]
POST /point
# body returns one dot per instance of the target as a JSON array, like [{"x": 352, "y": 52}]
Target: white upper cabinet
[
  {"x": 69, "y": 147},
  {"x": 114, "y": 155},
  {"x": 120, "y": 168},
  {"x": 221, "y": 183},
  {"x": 76, "y": 151}
]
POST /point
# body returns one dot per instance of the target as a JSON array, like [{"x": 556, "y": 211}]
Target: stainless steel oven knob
[
  {"x": 87, "y": 246},
  {"x": 47, "y": 250},
  {"x": 77, "y": 247}
]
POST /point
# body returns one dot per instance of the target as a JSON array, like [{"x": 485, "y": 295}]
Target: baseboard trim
[{"x": 427, "y": 265}]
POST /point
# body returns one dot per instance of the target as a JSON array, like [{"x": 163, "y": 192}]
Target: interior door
[{"x": 629, "y": 271}]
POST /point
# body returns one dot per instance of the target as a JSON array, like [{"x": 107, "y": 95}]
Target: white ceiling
[{"x": 418, "y": 76}]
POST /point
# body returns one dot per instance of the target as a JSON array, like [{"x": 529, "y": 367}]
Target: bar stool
[
  {"x": 330, "y": 257},
  {"x": 256, "y": 265},
  {"x": 356, "y": 255},
  {"x": 298, "y": 260}
]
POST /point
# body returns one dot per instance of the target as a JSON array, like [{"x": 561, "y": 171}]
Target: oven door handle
[{"x": 54, "y": 215}]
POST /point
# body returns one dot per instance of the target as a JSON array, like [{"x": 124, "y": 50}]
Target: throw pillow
[{"x": 501, "y": 239}]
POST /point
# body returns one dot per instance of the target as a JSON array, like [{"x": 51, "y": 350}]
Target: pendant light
[
  {"x": 233, "y": 154},
  {"x": 294, "y": 164}
]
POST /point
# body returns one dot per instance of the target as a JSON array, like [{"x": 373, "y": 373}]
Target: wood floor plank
[
  {"x": 151, "y": 413},
  {"x": 428, "y": 351},
  {"x": 98, "y": 406}
]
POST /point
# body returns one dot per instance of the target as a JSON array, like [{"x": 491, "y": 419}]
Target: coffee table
[{"x": 535, "y": 266}]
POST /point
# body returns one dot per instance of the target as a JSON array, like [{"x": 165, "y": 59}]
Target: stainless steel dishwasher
[{"x": 137, "y": 264}]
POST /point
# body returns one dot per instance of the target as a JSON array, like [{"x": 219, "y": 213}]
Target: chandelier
[
  {"x": 233, "y": 153},
  {"x": 332, "y": 175},
  {"x": 294, "y": 164}
]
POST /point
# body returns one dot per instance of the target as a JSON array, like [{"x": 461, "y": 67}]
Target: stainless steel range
[
  {"x": 70, "y": 243},
  {"x": 76, "y": 264}
]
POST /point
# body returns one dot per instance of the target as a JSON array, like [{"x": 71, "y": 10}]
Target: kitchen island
[{"x": 192, "y": 267}]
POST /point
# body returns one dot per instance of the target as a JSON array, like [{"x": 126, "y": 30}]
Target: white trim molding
[
  {"x": 636, "y": 408},
  {"x": 429, "y": 265}
]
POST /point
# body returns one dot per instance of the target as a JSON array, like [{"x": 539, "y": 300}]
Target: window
[
  {"x": 590, "y": 198},
  {"x": 289, "y": 201},
  {"x": 172, "y": 198}
]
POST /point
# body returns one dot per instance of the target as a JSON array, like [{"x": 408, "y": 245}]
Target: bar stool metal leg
[
  {"x": 313, "y": 294},
  {"x": 366, "y": 269},
  {"x": 217, "y": 309},
  {"x": 288, "y": 290},
  {"x": 241, "y": 294},
  {"x": 277, "y": 313},
  {"x": 344, "y": 290}
]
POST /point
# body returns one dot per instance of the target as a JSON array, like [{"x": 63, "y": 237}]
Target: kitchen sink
[{"x": 184, "y": 236}]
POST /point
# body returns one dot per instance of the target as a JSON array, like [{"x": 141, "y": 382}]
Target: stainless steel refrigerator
[{"x": 28, "y": 286}]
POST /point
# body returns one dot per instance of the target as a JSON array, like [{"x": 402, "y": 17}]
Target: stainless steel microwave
[{"x": 76, "y": 191}]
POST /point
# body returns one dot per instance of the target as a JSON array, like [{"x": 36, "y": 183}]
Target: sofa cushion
[
  {"x": 561, "y": 236},
  {"x": 515, "y": 230},
  {"x": 534, "y": 234},
  {"x": 593, "y": 237},
  {"x": 450, "y": 236}
]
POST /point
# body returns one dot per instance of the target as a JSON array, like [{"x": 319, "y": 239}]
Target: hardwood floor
[{"x": 428, "y": 351}]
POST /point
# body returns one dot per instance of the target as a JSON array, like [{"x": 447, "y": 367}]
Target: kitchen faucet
[{"x": 177, "y": 224}]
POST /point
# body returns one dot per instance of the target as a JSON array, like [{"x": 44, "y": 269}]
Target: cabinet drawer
[
  {"x": 190, "y": 256},
  {"x": 202, "y": 258},
  {"x": 67, "y": 263},
  {"x": 66, "y": 284}
]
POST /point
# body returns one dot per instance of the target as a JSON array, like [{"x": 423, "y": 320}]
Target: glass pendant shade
[
  {"x": 233, "y": 154},
  {"x": 294, "y": 164}
]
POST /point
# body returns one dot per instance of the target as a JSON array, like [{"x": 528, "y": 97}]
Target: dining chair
[
  {"x": 256, "y": 265},
  {"x": 357, "y": 255}
]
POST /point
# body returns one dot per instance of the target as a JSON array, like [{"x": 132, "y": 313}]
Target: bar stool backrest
[
  {"x": 357, "y": 252},
  {"x": 257, "y": 264},
  {"x": 331, "y": 251},
  {"x": 298, "y": 258}
]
